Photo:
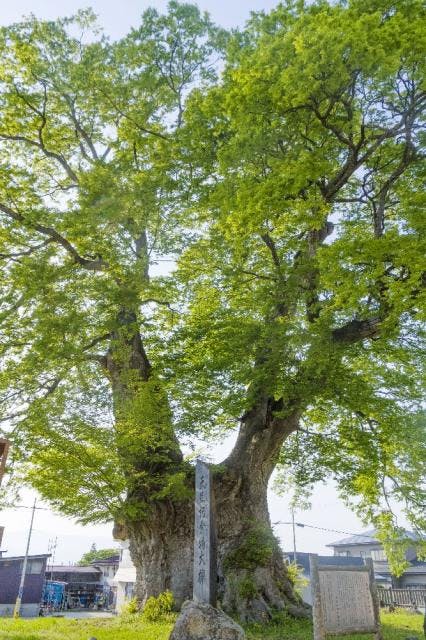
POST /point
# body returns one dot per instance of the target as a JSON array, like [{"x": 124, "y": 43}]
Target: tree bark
[
  {"x": 253, "y": 580},
  {"x": 252, "y": 577},
  {"x": 162, "y": 551}
]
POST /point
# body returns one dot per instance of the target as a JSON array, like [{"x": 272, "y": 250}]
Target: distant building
[
  {"x": 305, "y": 570},
  {"x": 83, "y": 585},
  {"x": 10, "y": 575},
  {"x": 125, "y": 578},
  {"x": 108, "y": 568},
  {"x": 366, "y": 545}
]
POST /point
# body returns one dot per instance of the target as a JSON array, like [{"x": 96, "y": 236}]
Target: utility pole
[
  {"x": 294, "y": 536},
  {"x": 51, "y": 548},
  {"x": 17, "y": 609}
]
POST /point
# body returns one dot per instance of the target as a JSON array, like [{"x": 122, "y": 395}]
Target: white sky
[
  {"x": 327, "y": 512},
  {"x": 73, "y": 540},
  {"x": 117, "y": 17}
]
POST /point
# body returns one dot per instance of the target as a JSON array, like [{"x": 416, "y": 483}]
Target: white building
[
  {"x": 125, "y": 578},
  {"x": 108, "y": 568},
  {"x": 366, "y": 545}
]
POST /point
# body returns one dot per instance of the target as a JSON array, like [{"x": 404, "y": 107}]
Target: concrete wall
[
  {"x": 126, "y": 567},
  {"x": 307, "y": 593},
  {"x": 29, "y": 610},
  {"x": 125, "y": 591}
]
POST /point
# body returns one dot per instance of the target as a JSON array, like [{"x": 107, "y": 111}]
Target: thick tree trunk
[
  {"x": 162, "y": 551},
  {"x": 253, "y": 581},
  {"x": 252, "y": 578}
]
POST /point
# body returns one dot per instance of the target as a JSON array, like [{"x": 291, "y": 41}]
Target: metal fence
[{"x": 402, "y": 597}]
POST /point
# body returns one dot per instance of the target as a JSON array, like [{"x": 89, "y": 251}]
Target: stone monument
[
  {"x": 204, "y": 590},
  {"x": 199, "y": 618},
  {"x": 345, "y": 600}
]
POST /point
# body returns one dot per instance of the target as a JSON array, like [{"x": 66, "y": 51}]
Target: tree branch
[
  {"x": 161, "y": 302},
  {"x": 91, "y": 265},
  {"x": 41, "y": 144},
  {"x": 268, "y": 240},
  {"x": 151, "y": 132},
  {"x": 26, "y": 252},
  {"x": 97, "y": 340},
  {"x": 79, "y": 129},
  {"x": 357, "y": 330}
]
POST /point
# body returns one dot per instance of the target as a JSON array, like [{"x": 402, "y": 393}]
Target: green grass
[
  {"x": 66, "y": 629},
  {"x": 396, "y": 626}
]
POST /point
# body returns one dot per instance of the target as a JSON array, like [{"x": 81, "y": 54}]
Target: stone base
[{"x": 204, "y": 622}]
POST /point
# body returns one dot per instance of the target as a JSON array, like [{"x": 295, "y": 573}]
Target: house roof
[
  {"x": 366, "y": 537},
  {"x": 72, "y": 568},
  {"x": 106, "y": 561},
  {"x": 39, "y": 556},
  {"x": 338, "y": 561}
]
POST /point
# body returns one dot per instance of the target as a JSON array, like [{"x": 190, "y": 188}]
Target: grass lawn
[{"x": 396, "y": 626}]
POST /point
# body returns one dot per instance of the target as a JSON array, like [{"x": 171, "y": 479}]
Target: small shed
[{"x": 10, "y": 575}]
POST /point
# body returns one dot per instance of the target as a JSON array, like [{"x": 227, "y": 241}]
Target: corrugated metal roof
[
  {"x": 72, "y": 568},
  {"x": 366, "y": 537},
  {"x": 34, "y": 557},
  {"x": 108, "y": 561},
  {"x": 416, "y": 567}
]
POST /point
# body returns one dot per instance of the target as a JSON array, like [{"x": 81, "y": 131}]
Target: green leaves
[
  {"x": 287, "y": 189},
  {"x": 308, "y": 160},
  {"x": 87, "y": 199}
]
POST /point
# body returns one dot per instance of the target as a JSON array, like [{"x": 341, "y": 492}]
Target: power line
[
  {"x": 24, "y": 506},
  {"x": 311, "y": 526}
]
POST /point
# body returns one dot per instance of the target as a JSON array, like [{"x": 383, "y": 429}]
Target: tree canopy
[
  {"x": 280, "y": 168},
  {"x": 96, "y": 554},
  {"x": 309, "y": 284},
  {"x": 86, "y": 187}
]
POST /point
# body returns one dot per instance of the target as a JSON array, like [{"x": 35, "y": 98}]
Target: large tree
[{"x": 289, "y": 192}]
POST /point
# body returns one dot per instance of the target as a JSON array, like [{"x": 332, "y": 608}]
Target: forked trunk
[{"x": 252, "y": 577}]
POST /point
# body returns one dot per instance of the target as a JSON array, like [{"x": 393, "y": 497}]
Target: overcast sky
[{"x": 116, "y": 17}]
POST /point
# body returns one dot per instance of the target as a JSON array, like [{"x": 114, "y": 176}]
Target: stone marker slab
[
  {"x": 344, "y": 600},
  {"x": 204, "y": 539}
]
